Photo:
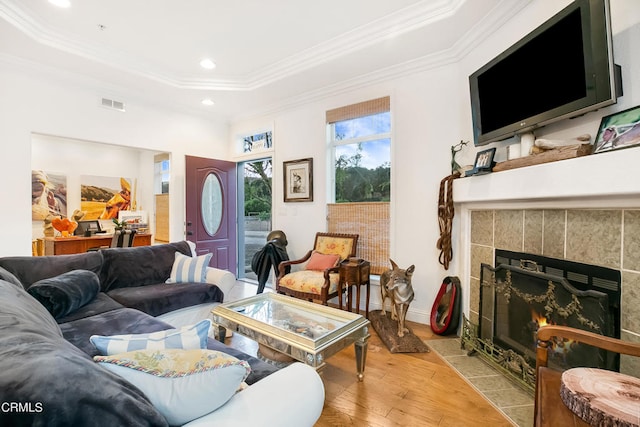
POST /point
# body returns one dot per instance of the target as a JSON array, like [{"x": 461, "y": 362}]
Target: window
[
  {"x": 360, "y": 145},
  {"x": 162, "y": 173}
]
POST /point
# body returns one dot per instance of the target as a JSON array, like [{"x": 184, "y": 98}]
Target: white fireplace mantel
[{"x": 610, "y": 179}]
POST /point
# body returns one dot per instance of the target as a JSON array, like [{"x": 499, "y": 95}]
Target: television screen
[{"x": 562, "y": 69}]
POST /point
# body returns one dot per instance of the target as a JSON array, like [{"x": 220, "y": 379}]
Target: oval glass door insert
[{"x": 211, "y": 204}]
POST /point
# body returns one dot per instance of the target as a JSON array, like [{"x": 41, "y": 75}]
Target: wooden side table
[
  {"x": 601, "y": 397},
  {"x": 354, "y": 272}
]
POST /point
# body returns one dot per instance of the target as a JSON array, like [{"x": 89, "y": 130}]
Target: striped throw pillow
[
  {"x": 191, "y": 337},
  {"x": 187, "y": 269}
]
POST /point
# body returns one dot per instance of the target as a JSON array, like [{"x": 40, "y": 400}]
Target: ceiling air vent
[{"x": 115, "y": 105}]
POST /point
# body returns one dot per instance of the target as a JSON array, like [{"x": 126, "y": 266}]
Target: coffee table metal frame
[{"x": 305, "y": 331}]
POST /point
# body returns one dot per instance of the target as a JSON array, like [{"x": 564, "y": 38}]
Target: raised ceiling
[{"x": 269, "y": 54}]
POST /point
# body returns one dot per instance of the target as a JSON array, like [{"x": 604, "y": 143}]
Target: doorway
[
  {"x": 211, "y": 209},
  {"x": 162, "y": 174},
  {"x": 255, "y": 200}
]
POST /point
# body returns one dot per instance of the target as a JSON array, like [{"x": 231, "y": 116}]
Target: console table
[{"x": 79, "y": 244}]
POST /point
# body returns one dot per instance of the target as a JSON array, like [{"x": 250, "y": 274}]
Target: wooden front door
[{"x": 211, "y": 209}]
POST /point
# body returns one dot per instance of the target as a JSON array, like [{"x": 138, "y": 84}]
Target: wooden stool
[{"x": 602, "y": 397}]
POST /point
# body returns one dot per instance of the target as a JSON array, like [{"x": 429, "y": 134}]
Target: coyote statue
[{"x": 395, "y": 284}]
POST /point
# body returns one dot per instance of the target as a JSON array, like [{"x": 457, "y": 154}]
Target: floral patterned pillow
[{"x": 182, "y": 384}]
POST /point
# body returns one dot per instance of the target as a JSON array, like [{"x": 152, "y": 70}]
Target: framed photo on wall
[
  {"x": 618, "y": 130},
  {"x": 298, "y": 180}
]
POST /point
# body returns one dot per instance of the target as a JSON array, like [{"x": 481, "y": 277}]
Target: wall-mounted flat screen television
[{"x": 562, "y": 69}]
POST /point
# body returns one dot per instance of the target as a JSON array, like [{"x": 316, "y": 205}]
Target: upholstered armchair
[
  {"x": 317, "y": 280},
  {"x": 550, "y": 410}
]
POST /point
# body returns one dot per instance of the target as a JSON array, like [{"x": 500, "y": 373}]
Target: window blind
[
  {"x": 361, "y": 109},
  {"x": 370, "y": 220}
]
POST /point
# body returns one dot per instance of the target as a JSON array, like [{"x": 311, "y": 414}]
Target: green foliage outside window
[
  {"x": 257, "y": 188},
  {"x": 362, "y": 158}
]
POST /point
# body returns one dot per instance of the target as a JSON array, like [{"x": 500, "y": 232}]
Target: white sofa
[{"x": 268, "y": 402}]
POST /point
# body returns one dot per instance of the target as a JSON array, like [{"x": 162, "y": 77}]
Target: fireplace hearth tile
[
  {"x": 553, "y": 233},
  {"x": 509, "y": 226},
  {"x": 480, "y": 255},
  {"x": 510, "y": 397},
  {"x": 594, "y": 237},
  {"x": 631, "y": 250},
  {"x": 533, "y": 231},
  {"x": 482, "y": 227},
  {"x": 521, "y": 415},
  {"x": 474, "y": 295},
  {"x": 630, "y": 365},
  {"x": 471, "y": 366},
  {"x": 448, "y": 347},
  {"x": 492, "y": 383},
  {"x": 629, "y": 313}
]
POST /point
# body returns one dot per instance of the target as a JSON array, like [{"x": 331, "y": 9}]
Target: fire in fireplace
[{"x": 524, "y": 292}]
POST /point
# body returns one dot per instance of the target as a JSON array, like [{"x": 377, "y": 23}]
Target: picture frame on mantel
[
  {"x": 618, "y": 130},
  {"x": 484, "y": 162},
  {"x": 298, "y": 180}
]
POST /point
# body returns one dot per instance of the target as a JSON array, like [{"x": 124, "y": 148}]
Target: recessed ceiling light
[
  {"x": 208, "y": 64},
  {"x": 61, "y": 3},
  {"x": 208, "y": 102}
]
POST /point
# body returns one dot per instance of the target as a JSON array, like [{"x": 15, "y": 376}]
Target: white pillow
[
  {"x": 182, "y": 384},
  {"x": 187, "y": 338},
  {"x": 187, "y": 269}
]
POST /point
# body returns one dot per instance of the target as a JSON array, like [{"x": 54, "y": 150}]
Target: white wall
[
  {"x": 424, "y": 126},
  {"x": 43, "y": 102},
  {"x": 430, "y": 113}
]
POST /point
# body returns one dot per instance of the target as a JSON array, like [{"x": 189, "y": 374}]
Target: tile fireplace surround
[{"x": 585, "y": 209}]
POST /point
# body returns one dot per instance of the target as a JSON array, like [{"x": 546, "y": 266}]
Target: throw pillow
[
  {"x": 320, "y": 261},
  {"x": 188, "y": 338},
  {"x": 62, "y": 295},
  {"x": 8, "y": 276},
  {"x": 182, "y": 384},
  {"x": 188, "y": 269}
]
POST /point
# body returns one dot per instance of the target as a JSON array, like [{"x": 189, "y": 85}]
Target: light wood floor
[{"x": 412, "y": 389}]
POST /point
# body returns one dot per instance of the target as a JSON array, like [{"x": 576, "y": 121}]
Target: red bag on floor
[{"x": 445, "y": 313}]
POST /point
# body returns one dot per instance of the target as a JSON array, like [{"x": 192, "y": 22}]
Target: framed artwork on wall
[
  {"x": 48, "y": 195},
  {"x": 618, "y": 130},
  {"x": 298, "y": 180}
]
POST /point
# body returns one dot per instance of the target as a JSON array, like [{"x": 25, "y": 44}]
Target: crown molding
[
  {"x": 400, "y": 22},
  {"x": 500, "y": 15}
]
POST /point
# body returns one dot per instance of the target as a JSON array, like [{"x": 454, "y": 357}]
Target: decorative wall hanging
[
  {"x": 103, "y": 197},
  {"x": 48, "y": 195},
  {"x": 298, "y": 180},
  {"x": 619, "y": 130}
]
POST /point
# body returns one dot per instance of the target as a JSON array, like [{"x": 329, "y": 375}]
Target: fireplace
[{"x": 524, "y": 292}]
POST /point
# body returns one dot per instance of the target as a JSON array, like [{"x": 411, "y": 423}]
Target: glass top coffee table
[{"x": 305, "y": 331}]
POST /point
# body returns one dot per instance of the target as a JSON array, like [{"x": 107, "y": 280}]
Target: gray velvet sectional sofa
[{"x": 47, "y": 373}]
